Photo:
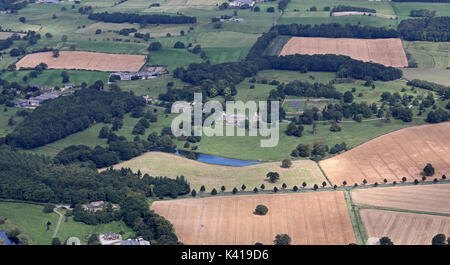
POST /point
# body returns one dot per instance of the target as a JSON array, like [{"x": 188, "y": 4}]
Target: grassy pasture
[
  {"x": 403, "y": 9},
  {"x": 429, "y": 54},
  {"x": 4, "y": 118},
  {"x": 214, "y": 176},
  {"x": 53, "y": 77},
  {"x": 440, "y": 76},
  {"x": 32, "y": 221}
]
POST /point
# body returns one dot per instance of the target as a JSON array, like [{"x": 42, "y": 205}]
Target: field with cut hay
[
  {"x": 308, "y": 218},
  {"x": 388, "y": 52},
  {"x": 84, "y": 61},
  {"x": 403, "y": 153},
  {"x": 427, "y": 198},
  {"x": 404, "y": 228}
]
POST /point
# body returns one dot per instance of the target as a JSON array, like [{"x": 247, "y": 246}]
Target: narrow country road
[{"x": 59, "y": 221}]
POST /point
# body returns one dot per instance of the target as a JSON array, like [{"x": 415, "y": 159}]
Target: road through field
[{"x": 308, "y": 218}]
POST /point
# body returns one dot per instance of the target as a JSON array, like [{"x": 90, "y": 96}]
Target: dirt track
[
  {"x": 84, "y": 61},
  {"x": 399, "y": 154},
  {"x": 388, "y": 52},
  {"x": 404, "y": 228},
  {"x": 427, "y": 198},
  {"x": 309, "y": 218}
]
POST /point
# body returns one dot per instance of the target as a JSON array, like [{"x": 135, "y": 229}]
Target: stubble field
[
  {"x": 427, "y": 198},
  {"x": 308, "y": 218},
  {"x": 404, "y": 228},
  {"x": 403, "y": 153},
  {"x": 84, "y": 61},
  {"x": 388, "y": 52}
]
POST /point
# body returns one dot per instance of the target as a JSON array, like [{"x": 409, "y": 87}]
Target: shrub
[{"x": 261, "y": 209}]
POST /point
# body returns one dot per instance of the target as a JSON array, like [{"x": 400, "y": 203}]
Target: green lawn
[
  {"x": 90, "y": 138},
  {"x": 4, "y": 118},
  {"x": 33, "y": 221},
  {"x": 53, "y": 77}
]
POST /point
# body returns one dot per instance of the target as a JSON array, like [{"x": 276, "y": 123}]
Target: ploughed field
[
  {"x": 84, "y": 61},
  {"x": 404, "y": 228},
  {"x": 308, "y": 218},
  {"x": 388, "y": 52},
  {"x": 403, "y": 153},
  {"x": 426, "y": 198}
]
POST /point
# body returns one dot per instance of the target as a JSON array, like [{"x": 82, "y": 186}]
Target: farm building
[
  {"x": 96, "y": 206},
  {"x": 135, "y": 242},
  {"x": 35, "y": 102},
  {"x": 147, "y": 73},
  {"x": 242, "y": 3},
  {"x": 110, "y": 238},
  {"x": 49, "y": 1}
]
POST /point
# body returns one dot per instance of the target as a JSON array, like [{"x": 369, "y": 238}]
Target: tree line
[
  {"x": 336, "y": 30},
  {"x": 118, "y": 17},
  {"x": 344, "y": 8}
]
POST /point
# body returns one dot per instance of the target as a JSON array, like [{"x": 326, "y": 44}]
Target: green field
[
  {"x": 53, "y": 77},
  {"x": 4, "y": 118},
  {"x": 214, "y": 176},
  {"x": 32, "y": 221},
  {"x": 429, "y": 54},
  {"x": 403, "y": 9}
]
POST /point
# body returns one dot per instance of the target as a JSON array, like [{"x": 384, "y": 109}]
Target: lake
[
  {"x": 6, "y": 239},
  {"x": 218, "y": 160}
]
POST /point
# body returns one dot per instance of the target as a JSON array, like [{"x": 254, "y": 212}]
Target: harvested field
[
  {"x": 308, "y": 218},
  {"x": 427, "y": 198},
  {"x": 84, "y": 61},
  {"x": 356, "y": 13},
  {"x": 388, "y": 52},
  {"x": 404, "y": 228},
  {"x": 214, "y": 176},
  {"x": 403, "y": 153}
]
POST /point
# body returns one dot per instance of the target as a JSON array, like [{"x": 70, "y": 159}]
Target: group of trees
[
  {"x": 442, "y": 91},
  {"x": 344, "y": 8},
  {"x": 57, "y": 118},
  {"x": 118, "y": 17},
  {"x": 425, "y": 29},
  {"x": 119, "y": 148},
  {"x": 422, "y": 13}
]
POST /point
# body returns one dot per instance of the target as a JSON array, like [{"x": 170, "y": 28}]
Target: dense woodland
[
  {"x": 31, "y": 177},
  {"x": 58, "y": 118},
  {"x": 141, "y": 19},
  {"x": 36, "y": 178},
  {"x": 426, "y": 29}
]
